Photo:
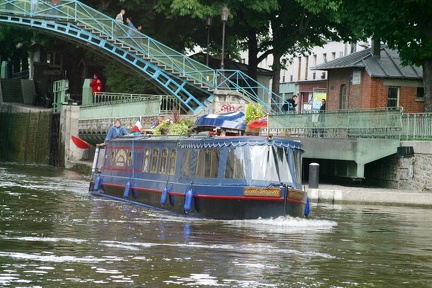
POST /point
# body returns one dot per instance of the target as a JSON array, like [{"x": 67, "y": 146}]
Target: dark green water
[{"x": 53, "y": 234}]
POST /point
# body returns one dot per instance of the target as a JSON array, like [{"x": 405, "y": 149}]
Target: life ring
[
  {"x": 164, "y": 196},
  {"x": 188, "y": 201}
]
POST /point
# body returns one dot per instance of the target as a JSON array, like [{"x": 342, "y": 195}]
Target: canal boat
[{"x": 208, "y": 176}]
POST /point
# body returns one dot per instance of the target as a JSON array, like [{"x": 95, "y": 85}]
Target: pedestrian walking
[
  {"x": 131, "y": 26},
  {"x": 321, "y": 118},
  {"x": 119, "y": 17}
]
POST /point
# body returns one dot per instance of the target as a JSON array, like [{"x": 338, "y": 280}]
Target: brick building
[{"x": 373, "y": 78}]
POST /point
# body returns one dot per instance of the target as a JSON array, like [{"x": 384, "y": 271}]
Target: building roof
[{"x": 387, "y": 65}]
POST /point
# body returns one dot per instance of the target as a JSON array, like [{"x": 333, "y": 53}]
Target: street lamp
[
  {"x": 208, "y": 24},
  {"x": 224, "y": 17}
]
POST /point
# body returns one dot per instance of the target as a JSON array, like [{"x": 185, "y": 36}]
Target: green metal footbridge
[{"x": 175, "y": 74}]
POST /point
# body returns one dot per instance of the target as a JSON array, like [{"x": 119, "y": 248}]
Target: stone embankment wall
[{"x": 404, "y": 173}]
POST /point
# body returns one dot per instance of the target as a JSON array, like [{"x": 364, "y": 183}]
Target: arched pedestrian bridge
[{"x": 193, "y": 83}]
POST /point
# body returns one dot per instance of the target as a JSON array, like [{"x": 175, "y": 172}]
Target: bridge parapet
[{"x": 366, "y": 123}]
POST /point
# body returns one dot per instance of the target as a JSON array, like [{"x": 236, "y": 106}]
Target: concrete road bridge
[{"x": 343, "y": 141}]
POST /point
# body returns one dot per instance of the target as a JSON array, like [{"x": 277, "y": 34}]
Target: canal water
[{"x": 53, "y": 234}]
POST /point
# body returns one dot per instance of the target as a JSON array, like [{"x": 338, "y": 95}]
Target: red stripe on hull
[{"x": 201, "y": 196}]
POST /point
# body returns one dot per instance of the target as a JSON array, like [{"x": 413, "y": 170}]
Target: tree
[
  {"x": 403, "y": 25},
  {"x": 270, "y": 27},
  {"x": 14, "y": 43},
  {"x": 296, "y": 29}
]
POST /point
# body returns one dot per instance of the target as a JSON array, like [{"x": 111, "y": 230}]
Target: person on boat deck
[
  {"x": 160, "y": 119},
  {"x": 96, "y": 84},
  {"x": 116, "y": 130}
]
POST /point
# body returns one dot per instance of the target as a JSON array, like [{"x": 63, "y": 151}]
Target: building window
[
  {"x": 307, "y": 68},
  {"x": 343, "y": 97},
  {"x": 299, "y": 68},
  {"x": 393, "y": 96},
  {"x": 420, "y": 93},
  {"x": 333, "y": 55},
  {"x": 325, "y": 57}
]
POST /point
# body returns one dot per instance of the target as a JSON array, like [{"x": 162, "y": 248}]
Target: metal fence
[
  {"x": 166, "y": 102},
  {"x": 365, "y": 123},
  {"x": 416, "y": 126}
]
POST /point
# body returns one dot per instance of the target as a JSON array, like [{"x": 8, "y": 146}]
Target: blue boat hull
[{"x": 220, "y": 178}]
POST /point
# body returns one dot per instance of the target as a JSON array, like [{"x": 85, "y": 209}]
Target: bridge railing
[
  {"x": 79, "y": 12},
  {"x": 416, "y": 126},
  {"x": 241, "y": 82},
  {"x": 178, "y": 63},
  {"x": 166, "y": 103},
  {"x": 369, "y": 123}
]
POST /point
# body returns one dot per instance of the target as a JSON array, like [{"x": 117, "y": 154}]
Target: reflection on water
[{"x": 52, "y": 233}]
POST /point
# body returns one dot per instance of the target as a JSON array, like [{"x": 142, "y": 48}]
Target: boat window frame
[
  {"x": 129, "y": 159},
  {"x": 112, "y": 158},
  {"x": 146, "y": 160},
  {"x": 186, "y": 168},
  {"x": 207, "y": 163},
  {"x": 172, "y": 161},
  {"x": 163, "y": 161},
  {"x": 274, "y": 164},
  {"x": 154, "y": 161},
  {"x": 235, "y": 166}
]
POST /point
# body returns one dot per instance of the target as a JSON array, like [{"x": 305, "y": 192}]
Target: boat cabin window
[
  {"x": 270, "y": 163},
  {"x": 129, "y": 160},
  {"x": 235, "y": 168},
  {"x": 112, "y": 159},
  {"x": 164, "y": 160},
  {"x": 155, "y": 155},
  {"x": 146, "y": 162},
  {"x": 186, "y": 163},
  {"x": 298, "y": 165},
  {"x": 172, "y": 162},
  {"x": 207, "y": 163}
]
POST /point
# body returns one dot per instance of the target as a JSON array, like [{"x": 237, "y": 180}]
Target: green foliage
[
  {"x": 254, "y": 111},
  {"x": 180, "y": 128},
  {"x": 122, "y": 80}
]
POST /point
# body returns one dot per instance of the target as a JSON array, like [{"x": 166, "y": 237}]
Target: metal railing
[
  {"x": 167, "y": 102},
  {"x": 172, "y": 61},
  {"x": 417, "y": 126},
  {"x": 370, "y": 123}
]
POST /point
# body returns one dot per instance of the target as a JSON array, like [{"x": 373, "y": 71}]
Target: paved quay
[{"x": 328, "y": 193}]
